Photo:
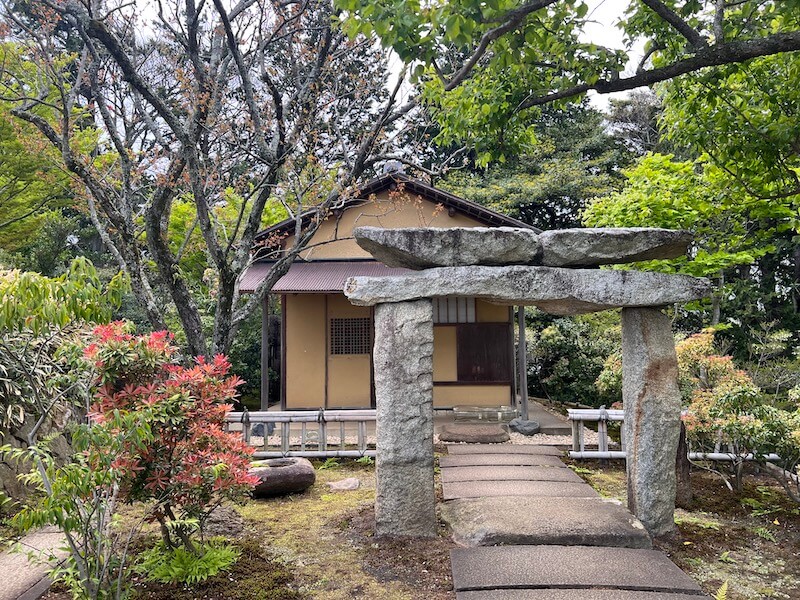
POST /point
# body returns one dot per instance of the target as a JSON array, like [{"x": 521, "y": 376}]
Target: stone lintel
[
  {"x": 426, "y": 247},
  {"x": 555, "y": 290},
  {"x": 611, "y": 245}
]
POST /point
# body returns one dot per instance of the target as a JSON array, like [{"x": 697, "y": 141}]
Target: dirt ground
[
  {"x": 750, "y": 539},
  {"x": 321, "y": 544}
]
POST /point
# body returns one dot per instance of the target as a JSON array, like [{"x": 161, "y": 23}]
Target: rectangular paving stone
[
  {"x": 480, "y": 489},
  {"x": 508, "y": 473},
  {"x": 510, "y": 520},
  {"x": 454, "y": 449},
  {"x": 573, "y": 594},
  {"x": 475, "y": 460},
  {"x": 498, "y": 567}
]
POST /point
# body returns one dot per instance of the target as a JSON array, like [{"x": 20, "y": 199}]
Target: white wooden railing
[
  {"x": 579, "y": 416},
  {"x": 602, "y": 416},
  {"x": 307, "y": 433}
]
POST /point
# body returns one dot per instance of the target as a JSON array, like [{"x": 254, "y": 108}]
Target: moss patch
[
  {"x": 255, "y": 576},
  {"x": 750, "y": 539},
  {"x": 327, "y": 540}
]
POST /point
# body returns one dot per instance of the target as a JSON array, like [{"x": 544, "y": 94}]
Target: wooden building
[{"x": 326, "y": 342}]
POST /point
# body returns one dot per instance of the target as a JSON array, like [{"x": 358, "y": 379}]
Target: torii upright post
[
  {"x": 651, "y": 397},
  {"x": 405, "y": 502}
]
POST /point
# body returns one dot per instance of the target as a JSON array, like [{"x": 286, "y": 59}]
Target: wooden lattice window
[
  {"x": 351, "y": 336},
  {"x": 454, "y": 310}
]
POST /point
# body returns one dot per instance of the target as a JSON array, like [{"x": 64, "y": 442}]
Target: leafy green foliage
[
  {"x": 566, "y": 356},
  {"x": 31, "y": 185},
  {"x": 178, "y": 565},
  {"x": 573, "y": 161},
  {"x": 42, "y": 305},
  {"x": 482, "y": 64},
  {"x": 39, "y": 318},
  {"x": 744, "y": 118},
  {"x": 661, "y": 192},
  {"x": 80, "y": 499},
  {"x": 329, "y": 464},
  {"x": 484, "y": 110},
  {"x": 726, "y": 412}
]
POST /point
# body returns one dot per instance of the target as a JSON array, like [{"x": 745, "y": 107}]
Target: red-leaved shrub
[{"x": 189, "y": 464}]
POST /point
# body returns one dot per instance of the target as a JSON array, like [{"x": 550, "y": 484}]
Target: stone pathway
[
  {"x": 24, "y": 580},
  {"x": 533, "y": 530}
]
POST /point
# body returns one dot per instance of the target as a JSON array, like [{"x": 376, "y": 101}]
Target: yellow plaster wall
[
  {"x": 486, "y": 312},
  {"x": 471, "y": 395},
  {"x": 349, "y": 375},
  {"x": 384, "y": 211},
  {"x": 445, "y": 365},
  {"x": 305, "y": 321}
]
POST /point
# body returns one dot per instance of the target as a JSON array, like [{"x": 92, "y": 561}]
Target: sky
[{"x": 605, "y": 14}]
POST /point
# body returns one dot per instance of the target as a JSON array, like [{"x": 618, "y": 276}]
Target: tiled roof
[{"x": 486, "y": 216}]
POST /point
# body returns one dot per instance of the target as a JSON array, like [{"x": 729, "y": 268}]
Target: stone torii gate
[{"x": 519, "y": 267}]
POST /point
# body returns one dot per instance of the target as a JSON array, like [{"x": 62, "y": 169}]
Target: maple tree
[{"x": 233, "y": 116}]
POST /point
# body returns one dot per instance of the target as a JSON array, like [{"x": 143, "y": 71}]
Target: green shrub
[
  {"x": 566, "y": 356},
  {"x": 179, "y": 565}
]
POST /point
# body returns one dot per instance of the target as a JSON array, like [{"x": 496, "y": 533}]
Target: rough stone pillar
[
  {"x": 405, "y": 504},
  {"x": 652, "y": 415}
]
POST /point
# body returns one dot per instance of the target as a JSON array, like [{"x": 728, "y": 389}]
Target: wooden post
[
  {"x": 522, "y": 363},
  {"x": 265, "y": 353}
]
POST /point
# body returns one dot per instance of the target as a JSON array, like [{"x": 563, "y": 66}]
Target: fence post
[{"x": 602, "y": 430}]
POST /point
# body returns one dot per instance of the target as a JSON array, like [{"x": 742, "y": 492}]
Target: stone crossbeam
[
  {"x": 559, "y": 291},
  {"x": 423, "y": 248}
]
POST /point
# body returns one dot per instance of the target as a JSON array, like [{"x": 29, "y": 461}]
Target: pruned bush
[{"x": 191, "y": 464}]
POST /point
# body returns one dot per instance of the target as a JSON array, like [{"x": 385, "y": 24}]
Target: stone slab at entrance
[
  {"x": 572, "y": 594},
  {"x": 555, "y": 521},
  {"x": 475, "y": 460},
  {"x": 481, "y": 489},
  {"x": 508, "y": 473},
  {"x": 515, "y": 567},
  {"x": 459, "y": 449}
]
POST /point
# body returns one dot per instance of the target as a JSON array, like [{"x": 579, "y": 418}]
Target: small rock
[
  {"x": 225, "y": 521},
  {"x": 473, "y": 434},
  {"x": 524, "y": 427},
  {"x": 281, "y": 476},
  {"x": 257, "y": 429},
  {"x": 351, "y": 483}
]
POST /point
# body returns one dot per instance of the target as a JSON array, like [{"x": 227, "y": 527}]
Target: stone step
[
  {"x": 506, "y": 473},
  {"x": 476, "y": 460},
  {"x": 511, "y": 520},
  {"x": 458, "y": 449},
  {"x": 482, "y": 489},
  {"x": 573, "y": 594},
  {"x": 556, "y": 428},
  {"x": 543, "y": 567}
]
